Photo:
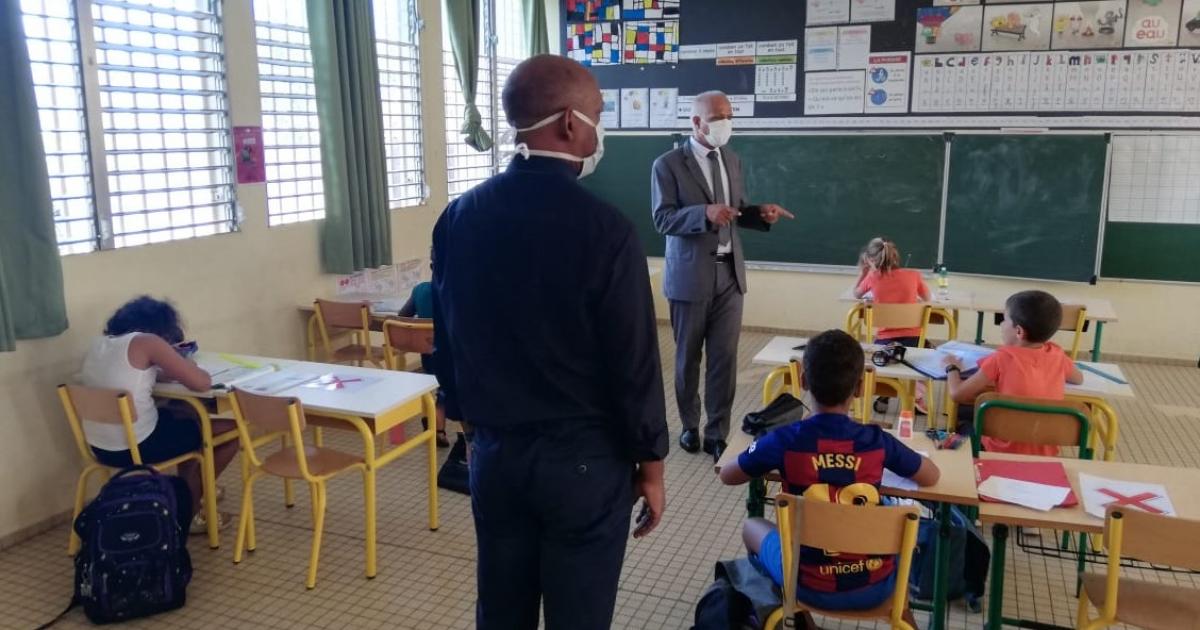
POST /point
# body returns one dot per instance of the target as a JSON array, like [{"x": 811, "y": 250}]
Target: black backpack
[
  {"x": 134, "y": 560},
  {"x": 455, "y": 475}
]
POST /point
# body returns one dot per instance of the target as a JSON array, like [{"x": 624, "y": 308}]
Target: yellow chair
[
  {"x": 404, "y": 335},
  {"x": 865, "y": 318},
  {"x": 785, "y": 378},
  {"x": 284, "y": 417},
  {"x": 335, "y": 318},
  {"x": 1074, "y": 319},
  {"x": 106, "y": 406},
  {"x": 1153, "y": 538},
  {"x": 868, "y": 530}
]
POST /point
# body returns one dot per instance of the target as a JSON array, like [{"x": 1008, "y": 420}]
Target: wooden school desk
[
  {"x": 955, "y": 486},
  {"x": 1182, "y": 484},
  {"x": 1099, "y": 311},
  {"x": 386, "y": 399}
]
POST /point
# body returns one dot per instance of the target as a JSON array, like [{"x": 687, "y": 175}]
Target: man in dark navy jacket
[{"x": 549, "y": 349}]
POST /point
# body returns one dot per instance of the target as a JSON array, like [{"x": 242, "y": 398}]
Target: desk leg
[
  {"x": 979, "y": 328},
  {"x": 369, "y": 500},
  {"x": 996, "y": 594},
  {"x": 431, "y": 444},
  {"x": 756, "y": 498},
  {"x": 941, "y": 569},
  {"x": 1096, "y": 342}
]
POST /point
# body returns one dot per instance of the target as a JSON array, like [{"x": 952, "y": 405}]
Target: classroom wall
[
  {"x": 237, "y": 291},
  {"x": 1156, "y": 319}
]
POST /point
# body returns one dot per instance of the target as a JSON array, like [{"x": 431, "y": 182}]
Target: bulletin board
[{"x": 894, "y": 64}]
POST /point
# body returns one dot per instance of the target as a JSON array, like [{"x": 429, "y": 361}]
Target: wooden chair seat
[
  {"x": 321, "y": 462},
  {"x": 358, "y": 352},
  {"x": 1147, "y": 604}
]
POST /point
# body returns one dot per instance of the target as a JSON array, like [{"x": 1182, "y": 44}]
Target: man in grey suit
[{"x": 699, "y": 198}]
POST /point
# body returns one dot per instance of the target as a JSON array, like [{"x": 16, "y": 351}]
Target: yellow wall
[
  {"x": 1156, "y": 319},
  {"x": 238, "y": 291}
]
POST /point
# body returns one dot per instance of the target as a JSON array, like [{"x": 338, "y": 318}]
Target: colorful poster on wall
[
  {"x": 593, "y": 10},
  {"x": 820, "y": 48},
  {"x": 649, "y": 9},
  {"x": 1017, "y": 27},
  {"x": 1084, "y": 25},
  {"x": 949, "y": 29},
  {"x": 248, "y": 147},
  {"x": 635, "y": 108},
  {"x": 651, "y": 42},
  {"x": 596, "y": 44},
  {"x": 887, "y": 83},
  {"x": 1152, "y": 23},
  {"x": 1189, "y": 32}
]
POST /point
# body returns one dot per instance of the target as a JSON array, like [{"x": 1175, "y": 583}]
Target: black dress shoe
[
  {"x": 714, "y": 448},
  {"x": 689, "y": 440}
]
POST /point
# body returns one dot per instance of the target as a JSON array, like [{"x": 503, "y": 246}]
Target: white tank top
[{"x": 107, "y": 366}]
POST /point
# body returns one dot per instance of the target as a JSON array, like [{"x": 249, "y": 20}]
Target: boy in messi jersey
[{"x": 819, "y": 456}]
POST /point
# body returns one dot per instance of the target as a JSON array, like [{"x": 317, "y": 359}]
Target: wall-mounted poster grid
[{"x": 1059, "y": 81}]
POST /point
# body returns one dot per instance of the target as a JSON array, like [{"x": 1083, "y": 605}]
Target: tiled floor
[{"x": 426, "y": 579}]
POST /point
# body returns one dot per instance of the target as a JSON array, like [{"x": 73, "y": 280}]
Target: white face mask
[
  {"x": 589, "y": 163},
  {"x": 719, "y": 132}
]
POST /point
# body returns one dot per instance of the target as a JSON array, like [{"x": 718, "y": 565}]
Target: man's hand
[
  {"x": 771, "y": 213},
  {"x": 649, "y": 487},
  {"x": 720, "y": 214}
]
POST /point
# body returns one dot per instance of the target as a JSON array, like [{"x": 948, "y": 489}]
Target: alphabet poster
[
  {"x": 1017, "y": 27},
  {"x": 1152, "y": 23},
  {"x": 1085, "y": 25}
]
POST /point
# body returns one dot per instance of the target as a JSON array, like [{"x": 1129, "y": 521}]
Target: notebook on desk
[
  {"x": 930, "y": 363},
  {"x": 227, "y": 372},
  {"x": 1045, "y": 473}
]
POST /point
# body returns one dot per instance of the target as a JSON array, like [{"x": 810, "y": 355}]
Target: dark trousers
[
  {"x": 710, "y": 327},
  {"x": 552, "y": 504}
]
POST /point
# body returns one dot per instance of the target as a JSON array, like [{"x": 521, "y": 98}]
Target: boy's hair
[
  {"x": 1038, "y": 312},
  {"x": 145, "y": 314},
  {"x": 882, "y": 253},
  {"x": 833, "y": 366}
]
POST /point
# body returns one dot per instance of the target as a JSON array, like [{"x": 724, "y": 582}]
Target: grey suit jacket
[{"x": 679, "y": 194}]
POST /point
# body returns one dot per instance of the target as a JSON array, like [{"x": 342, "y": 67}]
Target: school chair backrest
[
  {"x": 270, "y": 417},
  {"x": 877, "y": 316},
  {"x": 1161, "y": 540},
  {"x": 352, "y": 317},
  {"x": 1074, "y": 319},
  {"x": 103, "y": 406},
  {"x": 403, "y": 335},
  {"x": 838, "y": 528},
  {"x": 1032, "y": 421}
]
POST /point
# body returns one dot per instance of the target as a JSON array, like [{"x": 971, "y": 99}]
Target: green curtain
[
  {"x": 32, "y": 303},
  {"x": 357, "y": 229},
  {"x": 462, "y": 23},
  {"x": 537, "y": 38}
]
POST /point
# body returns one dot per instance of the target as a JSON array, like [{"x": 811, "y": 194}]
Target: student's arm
[
  {"x": 863, "y": 286},
  {"x": 409, "y": 309},
  {"x": 922, "y": 289},
  {"x": 763, "y": 456},
  {"x": 669, "y": 218},
  {"x": 902, "y": 460},
  {"x": 1074, "y": 374},
  {"x": 158, "y": 353},
  {"x": 965, "y": 391}
]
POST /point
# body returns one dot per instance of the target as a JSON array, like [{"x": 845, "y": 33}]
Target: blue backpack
[{"x": 134, "y": 560}]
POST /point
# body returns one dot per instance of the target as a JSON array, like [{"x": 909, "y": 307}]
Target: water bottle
[{"x": 943, "y": 282}]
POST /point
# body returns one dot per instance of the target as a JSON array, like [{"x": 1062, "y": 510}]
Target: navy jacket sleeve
[
  {"x": 629, "y": 337},
  {"x": 443, "y": 358}
]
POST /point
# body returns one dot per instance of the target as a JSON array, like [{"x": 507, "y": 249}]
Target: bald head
[
  {"x": 547, "y": 84},
  {"x": 712, "y": 102}
]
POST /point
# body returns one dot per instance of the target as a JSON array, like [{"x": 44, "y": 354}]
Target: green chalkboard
[
  {"x": 1151, "y": 251},
  {"x": 843, "y": 189},
  {"x": 1025, "y": 206}
]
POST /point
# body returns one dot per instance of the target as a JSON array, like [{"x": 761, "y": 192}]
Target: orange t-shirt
[
  {"x": 1030, "y": 372},
  {"x": 899, "y": 286}
]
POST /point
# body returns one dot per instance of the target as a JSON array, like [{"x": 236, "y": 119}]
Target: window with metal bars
[
  {"x": 503, "y": 47},
  {"x": 396, "y": 32},
  {"x": 137, "y": 145}
]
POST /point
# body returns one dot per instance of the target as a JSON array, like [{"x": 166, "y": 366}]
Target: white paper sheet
[
  {"x": 872, "y": 10},
  {"x": 828, "y": 11},
  {"x": 854, "y": 44},
  {"x": 892, "y": 480},
  {"x": 1037, "y": 496},
  {"x": 1096, "y": 497},
  {"x": 278, "y": 382},
  {"x": 611, "y": 114},
  {"x": 887, "y": 83},
  {"x": 820, "y": 48},
  {"x": 833, "y": 92},
  {"x": 692, "y": 52},
  {"x": 664, "y": 108},
  {"x": 635, "y": 108},
  {"x": 775, "y": 80}
]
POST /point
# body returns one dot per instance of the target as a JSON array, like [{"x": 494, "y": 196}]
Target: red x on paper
[
  {"x": 336, "y": 382},
  {"x": 1136, "y": 501}
]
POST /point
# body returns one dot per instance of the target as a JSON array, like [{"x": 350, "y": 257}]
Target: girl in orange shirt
[{"x": 881, "y": 276}]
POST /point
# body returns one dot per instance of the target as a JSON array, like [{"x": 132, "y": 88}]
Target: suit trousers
[
  {"x": 710, "y": 327},
  {"x": 552, "y": 503}
]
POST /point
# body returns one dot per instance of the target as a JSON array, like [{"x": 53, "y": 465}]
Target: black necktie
[{"x": 718, "y": 189}]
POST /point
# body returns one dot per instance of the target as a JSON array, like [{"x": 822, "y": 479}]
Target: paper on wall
[
  {"x": 611, "y": 115},
  {"x": 664, "y": 108},
  {"x": 635, "y": 108},
  {"x": 833, "y": 92},
  {"x": 691, "y": 52},
  {"x": 820, "y": 48},
  {"x": 828, "y": 11},
  {"x": 872, "y": 10},
  {"x": 777, "y": 51},
  {"x": 854, "y": 44},
  {"x": 736, "y": 54},
  {"x": 1098, "y": 493},
  {"x": 777, "y": 80},
  {"x": 887, "y": 83}
]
